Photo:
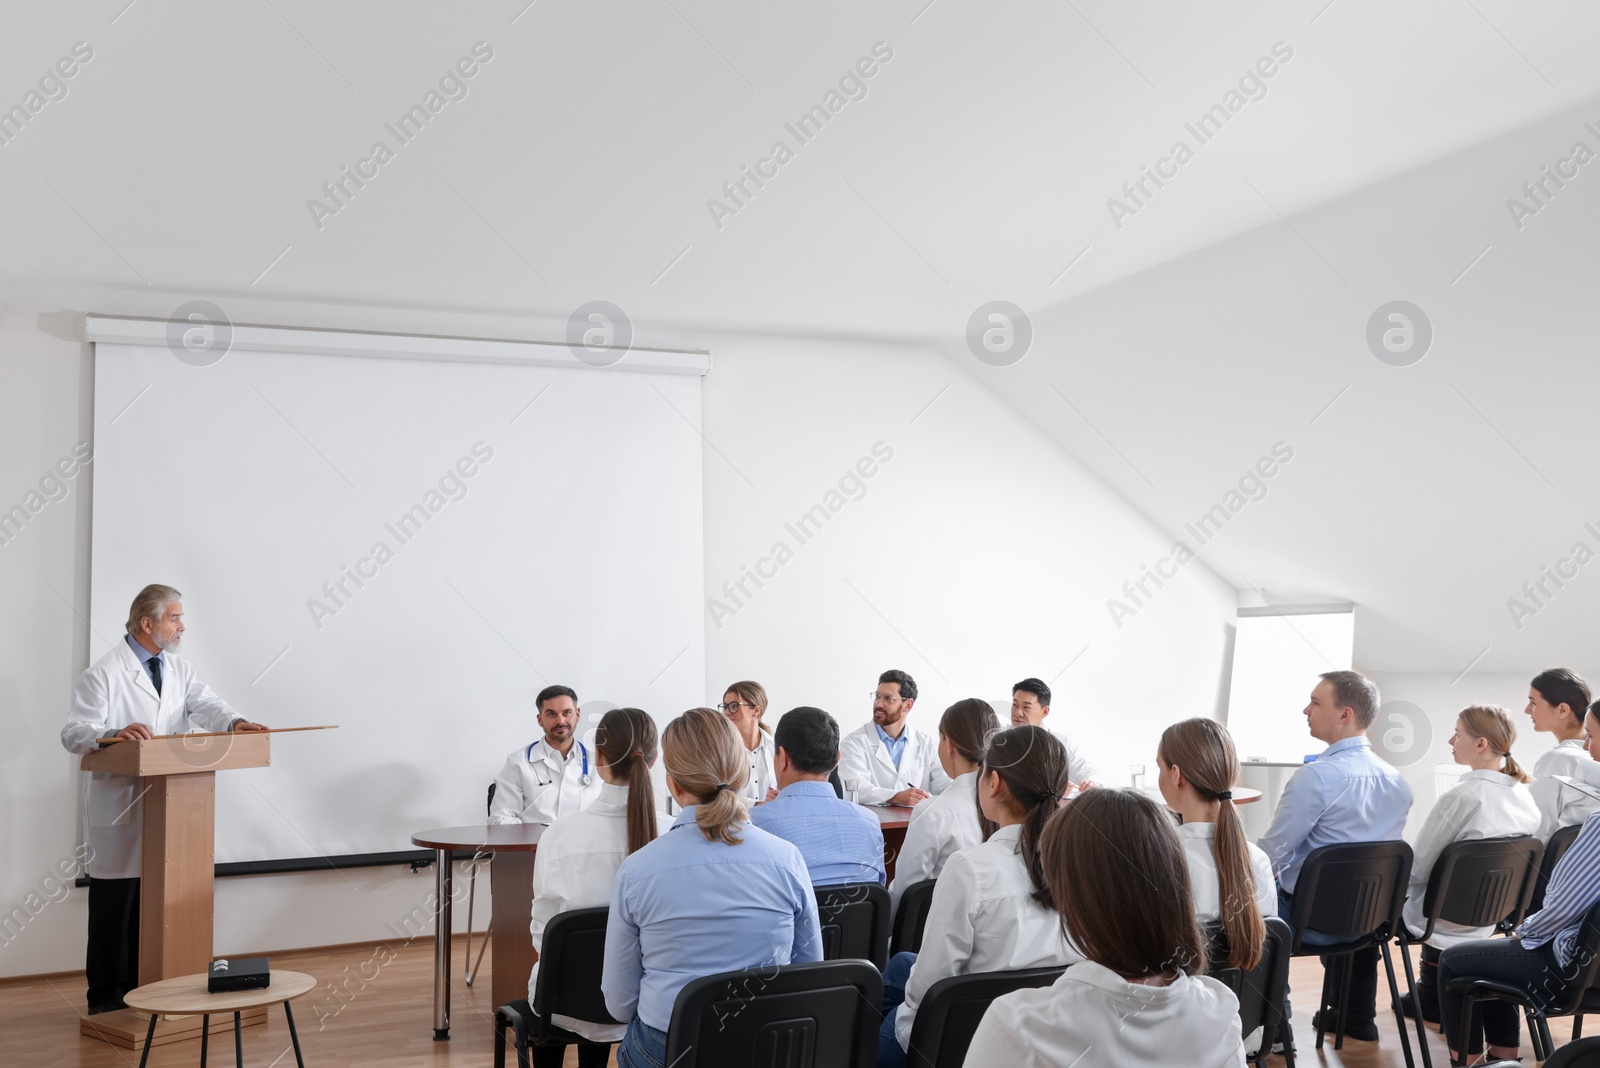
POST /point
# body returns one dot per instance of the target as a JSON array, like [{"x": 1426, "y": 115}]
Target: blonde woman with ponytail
[
  {"x": 715, "y": 893},
  {"x": 1491, "y": 800},
  {"x": 579, "y": 856},
  {"x": 1231, "y": 877}
]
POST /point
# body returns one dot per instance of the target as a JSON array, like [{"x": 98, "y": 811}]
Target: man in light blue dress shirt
[
  {"x": 841, "y": 842},
  {"x": 1346, "y": 795}
]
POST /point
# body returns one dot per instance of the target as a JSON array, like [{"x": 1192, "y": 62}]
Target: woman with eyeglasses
[{"x": 745, "y": 703}]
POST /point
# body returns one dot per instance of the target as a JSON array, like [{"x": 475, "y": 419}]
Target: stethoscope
[{"x": 585, "y": 779}]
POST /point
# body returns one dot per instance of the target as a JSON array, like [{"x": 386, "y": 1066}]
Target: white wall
[{"x": 979, "y": 553}]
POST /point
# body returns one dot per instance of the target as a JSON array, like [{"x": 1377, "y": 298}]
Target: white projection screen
[
  {"x": 572, "y": 553},
  {"x": 1277, "y": 656}
]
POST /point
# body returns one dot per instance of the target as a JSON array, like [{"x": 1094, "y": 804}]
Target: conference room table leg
[{"x": 444, "y": 891}]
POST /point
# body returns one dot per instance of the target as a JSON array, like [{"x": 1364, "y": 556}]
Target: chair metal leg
[
  {"x": 500, "y": 1022},
  {"x": 294, "y": 1036},
  {"x": 1577, "y": 1027},
  {"x": 1400, "y": 1017},
  {"x": 1323, "y": 1008},
  {"x": 1416, "y": 1003},
  {"x": 1344, "y": 1000},
  {"x": 1544, "y": 1038}
]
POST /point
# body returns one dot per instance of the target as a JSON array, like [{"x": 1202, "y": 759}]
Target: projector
[{"x": 241, "y": 973}]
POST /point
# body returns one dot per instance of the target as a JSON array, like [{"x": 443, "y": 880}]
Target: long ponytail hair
[
  {"x": 707, "y": 759},
  {"x": 627, "y": 741},
  {"x": 1203, "y": 750},
  {"x": 1494, "y": 725},
  {"x": 1032, "y": 763}
]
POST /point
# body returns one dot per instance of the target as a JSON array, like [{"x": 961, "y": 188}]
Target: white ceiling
[{"x": 1221, "y": 318}]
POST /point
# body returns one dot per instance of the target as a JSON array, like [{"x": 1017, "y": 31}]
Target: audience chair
[
  {"x": 911, "y": 917},
  {"x": 816, "y": 1015},
  {"x": 1583, "y": 1053},
  {"x": 1474, "y": 883},
  {"x": 855, "y": 922},
  {"x": 1585, "y": 953},
  {"x": 568, "y": 985},
  {"x": 1261, "y": 991},
  {"x": 472, "y": 897},
  {"x": 953, "y": 1007},
  {"x": 1560, "y": 842},
  {"x": 1353, "y": 893}
]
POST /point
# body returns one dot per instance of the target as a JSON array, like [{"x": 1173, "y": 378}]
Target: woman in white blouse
[
  {"x": 1117, "y": 874},
  {"x": 1489, "y": 801},
  {"x": 1230, "y": 876},
  {"x": 991, "y": 910},
  {"x": 949, "y": 821},
  {"x": 745, "y": 703},
  {"x": 579, "y": 855},
  {"x": 1557, "y": 701}
]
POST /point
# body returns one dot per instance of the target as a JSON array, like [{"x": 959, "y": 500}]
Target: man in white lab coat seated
[
  {"x": 553, "y": 776},
  {"x": 888, "y": 761},
  {"x": 140, "y": 688},
  {"x": 1030, "y": 703}
]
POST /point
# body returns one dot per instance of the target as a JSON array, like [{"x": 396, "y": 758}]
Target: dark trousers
[
  {"x": 111, "y": 964},
  {"x": 1504, "y": 960},
  {"x": 1428, "y": 984},
  {"x": 589, "y": 1056}
]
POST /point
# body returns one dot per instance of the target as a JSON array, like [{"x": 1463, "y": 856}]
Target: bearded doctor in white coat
[
  {"x": 139, "y": 689},
  {"x": 888, "y": 761}
]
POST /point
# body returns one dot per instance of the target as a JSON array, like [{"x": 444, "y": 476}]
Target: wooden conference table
[{"x": 511, "y": 896}]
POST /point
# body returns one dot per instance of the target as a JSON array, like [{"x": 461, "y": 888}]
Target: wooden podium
[{"x": 178, "y": 787}]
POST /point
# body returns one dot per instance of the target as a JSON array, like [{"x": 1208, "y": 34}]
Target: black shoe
[
  {"x": 1408, "y": 1006},
  {"x": 1362, "y": 1030}
]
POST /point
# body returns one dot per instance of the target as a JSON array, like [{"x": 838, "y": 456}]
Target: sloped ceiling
[{"x": 1177, "y": 337}]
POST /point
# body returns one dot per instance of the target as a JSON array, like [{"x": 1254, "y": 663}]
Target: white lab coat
[
  {"x": 761, "y": 772},
  {"x": 1093, "y": 1018},
  {"x": 574, "y": 868},
  {"x": 537, "y": 786},
  {"x": 940, "y": 828},
  {"x": 864, "y": 763},
  {"x": 1559, "y": 806},
  {"x": 113, "y": 693}
]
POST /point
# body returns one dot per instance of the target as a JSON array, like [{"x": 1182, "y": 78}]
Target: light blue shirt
[
  {"x": 1346, "y": 795},
  {"x": 841, "y": 842},
  {"x": 145, "y": 656},
  {"x": 1574, "y": 888},
  {"x": 896, "y": 746},
  {"x": 683, "y": 907}
]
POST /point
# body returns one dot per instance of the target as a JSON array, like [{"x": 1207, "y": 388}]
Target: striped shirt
[{"x": 1574, "y": 889}]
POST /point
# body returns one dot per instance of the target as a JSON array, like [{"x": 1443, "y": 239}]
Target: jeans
[
  {"x": 895, "y": 976},
  {"x": 1506, "y": 961},
  {"x": 642, "y": 1047}
]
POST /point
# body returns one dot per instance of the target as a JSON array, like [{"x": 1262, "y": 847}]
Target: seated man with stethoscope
[{"x": 551, "y": 777}]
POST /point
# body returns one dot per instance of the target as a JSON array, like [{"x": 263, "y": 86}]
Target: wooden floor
[{"x": 387, "y": 1020}]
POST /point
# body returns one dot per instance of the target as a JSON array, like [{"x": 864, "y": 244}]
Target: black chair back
[
  {"x": 950, "y": 1012},
  {"x": 1560, "y": 842},
  {"x": 1352, "y": 892},
  {"x": 1260, "y": 990},
  {"x": 1480, "y": 882},
  {"x": 855, "y": 922},
  {"x": 1583, "y": 1053},
  {"x": 570, "y": 961},
  {"x": 837, "y": 784},
  {"x": 911, "y": 917},
  {"x": 488, "y": 806},
  {"x": 821, "y": 1015}
]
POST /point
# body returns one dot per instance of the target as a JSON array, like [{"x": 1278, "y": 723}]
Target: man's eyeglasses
[{"x": 876, "y": 696}]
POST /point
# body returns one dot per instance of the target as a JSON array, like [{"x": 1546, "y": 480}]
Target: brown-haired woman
[
  {"x": 1490, "y": 801},
  {"x": 1557, "y": 701},
  {"x": 1118, "y": 877},
  {"x": 579, "y": 856},
  {"x": 745, "y": 705},
  {"x": 991, "y": 910},
  {"x": 949, "y": 822},
  {"x": 715, "y": 893},
  {"x": 1230, "y": 876}
]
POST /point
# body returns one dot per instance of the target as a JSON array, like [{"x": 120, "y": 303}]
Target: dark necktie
[{"x": 155, "y": 673}]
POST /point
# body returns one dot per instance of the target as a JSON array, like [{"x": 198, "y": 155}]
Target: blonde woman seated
[
  {"x": 991, "y": 909},
  {"x": 950, "y": 821},
  {"x": 1490, "y": 801},
  {"x": 1117, "y": 875},
  {"x": 715, "y": 893},
  {"x": 579, "y": 855}
]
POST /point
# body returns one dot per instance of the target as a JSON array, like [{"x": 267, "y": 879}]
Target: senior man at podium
[{"x": 139, "y": 689}]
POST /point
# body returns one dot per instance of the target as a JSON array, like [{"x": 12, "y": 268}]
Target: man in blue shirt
[
  {"x": 1345, "y": 795},
  {"x": 841, "y": 842}
]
